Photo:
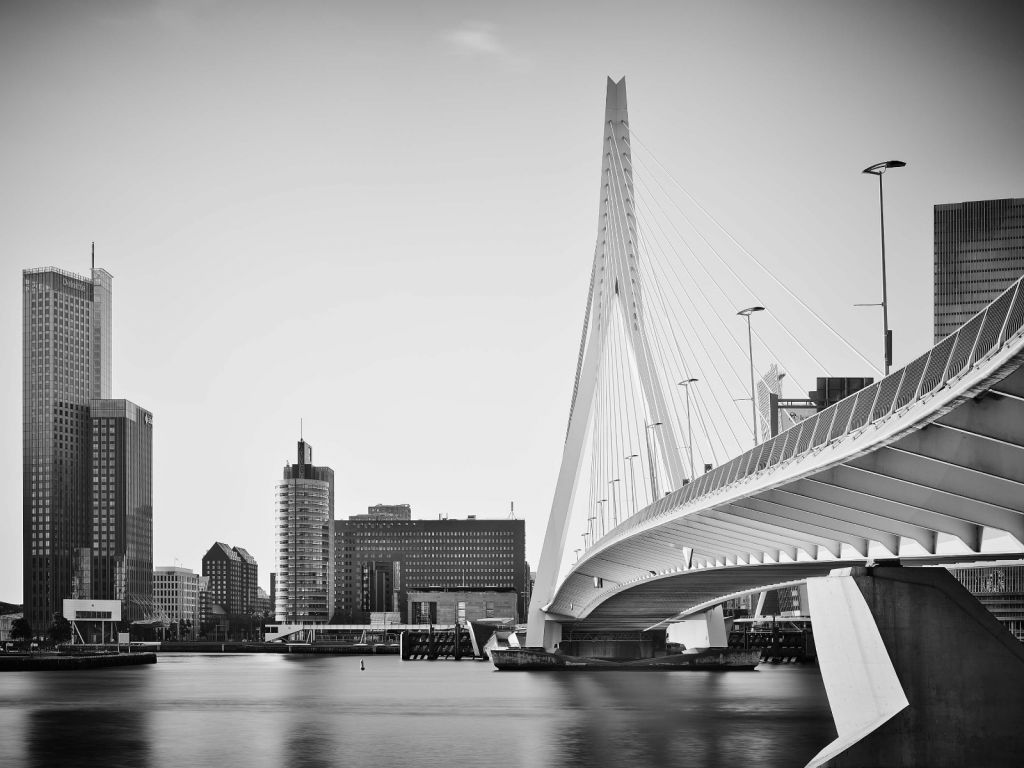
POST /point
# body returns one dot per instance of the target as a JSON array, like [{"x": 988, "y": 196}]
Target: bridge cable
[
  {"x": 725, "y": 297},
  {"x": 658, "y": 317},
  {"x": 751, "y": 256},
  {"x": 750, "y": 290},
  {"x": 635, "y": 326},
  {"x": 704, "y": 407},
  {"x": 657, "y": 285}
]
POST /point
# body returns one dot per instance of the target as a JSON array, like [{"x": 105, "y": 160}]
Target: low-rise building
[
  {"x": 999, "y": 586},
  {"x": 176, "y": 598},
  {"x": 378, "y": 561},
  {"x": 6, "y": 622},
  {"x": 457, "y": 606}
]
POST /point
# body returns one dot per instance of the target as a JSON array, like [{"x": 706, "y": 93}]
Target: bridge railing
[{"x": 978, "y": 339}]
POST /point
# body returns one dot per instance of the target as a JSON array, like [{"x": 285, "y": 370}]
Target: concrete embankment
[
  {"x": 318, "y": 648},
  {"x": 56, "y": 662}
]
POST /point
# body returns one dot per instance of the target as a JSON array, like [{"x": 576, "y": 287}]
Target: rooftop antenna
[
  {"x": 511, "y": 510},
  {"x": 94, "y": 254},
  {"x": 300, "y": 429}
]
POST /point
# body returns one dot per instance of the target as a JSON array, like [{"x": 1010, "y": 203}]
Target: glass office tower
[
  {"x": 66, "y": 333},
  {"x": 122, "y": 506},
  {"x": 979, "y": 253}
]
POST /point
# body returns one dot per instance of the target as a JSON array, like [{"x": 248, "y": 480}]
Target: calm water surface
[{"x": 277, "y": 710}]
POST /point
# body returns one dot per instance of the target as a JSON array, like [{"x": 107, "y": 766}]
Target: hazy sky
[{"x": 380, "y": 218}]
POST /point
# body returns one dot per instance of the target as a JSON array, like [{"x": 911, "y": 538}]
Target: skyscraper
[
  {"x": 87, "y": 473},
  {"x": 66, "y": 332},
  {"x": 304, "y": 541},
  {"x": 122, "y": 505},
  {"x": 979, "y": 252}
]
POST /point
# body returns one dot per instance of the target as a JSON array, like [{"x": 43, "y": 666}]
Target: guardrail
[{"x": 979, "y": 338}]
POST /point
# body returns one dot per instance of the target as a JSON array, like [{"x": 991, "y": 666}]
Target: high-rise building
[
  {"x": 66, "y": 335},
  {"x": 979, "y": 252},
  {"x": 87, "y": 472},
  {"x": 176, "y": 597},
  {"x": 122, "y": 506},
  {"x": 379, "y": 561},
  {"x": 304, "y": 536}
]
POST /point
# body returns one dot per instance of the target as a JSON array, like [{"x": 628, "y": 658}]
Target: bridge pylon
[{"x": 615, "y": 287}]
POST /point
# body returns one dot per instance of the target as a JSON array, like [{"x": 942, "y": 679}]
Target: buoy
[{"x": 361, "y": 665}]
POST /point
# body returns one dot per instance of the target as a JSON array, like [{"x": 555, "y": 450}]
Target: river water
[{"x": 267, "y": 710}]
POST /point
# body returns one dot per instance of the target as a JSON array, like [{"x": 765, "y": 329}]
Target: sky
[{"x": 380, "y": 218}]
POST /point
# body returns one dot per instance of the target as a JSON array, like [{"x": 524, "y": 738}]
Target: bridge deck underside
[{"x": 942, "y": 479}]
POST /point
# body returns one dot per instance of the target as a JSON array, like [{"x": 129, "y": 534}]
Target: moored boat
[{"x": 695, "y": 659}]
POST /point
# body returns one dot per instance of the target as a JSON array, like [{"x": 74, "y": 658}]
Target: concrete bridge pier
[
  {"x": 917, "y": 672},
  {"x": 703, "y": 630}
]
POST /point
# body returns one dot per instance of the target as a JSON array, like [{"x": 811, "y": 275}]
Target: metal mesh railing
[{"x": 982, "y": 336}]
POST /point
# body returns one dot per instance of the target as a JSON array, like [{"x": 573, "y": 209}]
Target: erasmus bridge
[{"x": 922, "y": 468}]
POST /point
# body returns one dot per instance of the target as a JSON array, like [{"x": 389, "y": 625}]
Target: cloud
[
  {"x": 480, "y": 38},
  {"x": 476, "y": 37}
]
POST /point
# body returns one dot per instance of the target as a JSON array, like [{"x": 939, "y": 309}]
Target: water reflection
[
  {"x": 88, "y": 717},
  {"x": 76, "y": 736},
  {"x": 268, "y": 711},
  {"x": 694, "y": 718}
]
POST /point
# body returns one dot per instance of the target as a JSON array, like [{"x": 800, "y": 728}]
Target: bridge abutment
[{"x": 917, "y": 672}]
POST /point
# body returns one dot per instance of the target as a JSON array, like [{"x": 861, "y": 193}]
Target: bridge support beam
[
  {"x": 917, "y": 672},
  {"x": 705, "y": 630}
]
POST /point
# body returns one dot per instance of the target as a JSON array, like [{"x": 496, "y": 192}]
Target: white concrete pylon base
[
  {"x": 705, "y": 630},
  {"x": 917, "y": 672}
]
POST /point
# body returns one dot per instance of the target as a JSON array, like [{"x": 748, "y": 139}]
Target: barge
[{"x": 711, "y": 659}]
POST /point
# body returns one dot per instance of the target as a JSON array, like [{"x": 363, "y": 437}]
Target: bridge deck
[{"x": 925, "y": 464}]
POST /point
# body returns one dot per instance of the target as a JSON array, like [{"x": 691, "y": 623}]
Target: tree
[
  {"x": 59, "y": 630},
  {"x": 21, "y": 629}
]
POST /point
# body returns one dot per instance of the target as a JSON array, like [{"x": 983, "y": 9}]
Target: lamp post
[
  {"x": 879, "y": 169},
  {"x": 600, "y": 513},
  {"x": 632, "y": 484},
  {"x": 750, "y": 346},
  {"x": 615, "y": 508},
  {"x": 685, "y": 384},
  {"x": 650, "y": 460}
]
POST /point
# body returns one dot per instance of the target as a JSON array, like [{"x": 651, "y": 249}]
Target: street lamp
[
  {"x": 615, "y": 508},
  {"x": 750, "y": 346},
  {"x": 879, "y": 169},
  {"x": 632, "y": 484},
  {"x": 600, "y": 512},
  {"x": 650, "y": 460},
  {"x": 689, "y": 426}
]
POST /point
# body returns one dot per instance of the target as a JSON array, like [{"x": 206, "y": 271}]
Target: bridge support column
[
  {"x": 705, "y": 630},
  {"x": 917, "y": 672},
  {"x": 552, "y": 635}
]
